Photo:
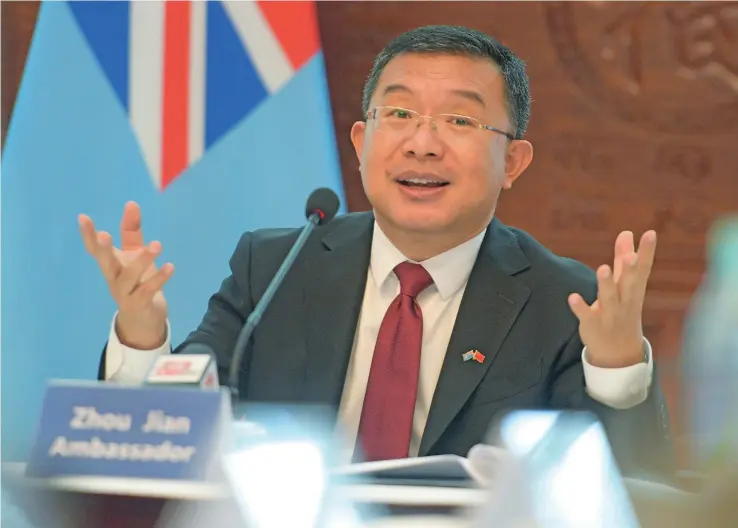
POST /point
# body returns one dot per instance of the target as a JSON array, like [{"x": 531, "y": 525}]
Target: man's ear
[
  {"x": 518, "y": 157},
  {"x": 358, "y": 132}
]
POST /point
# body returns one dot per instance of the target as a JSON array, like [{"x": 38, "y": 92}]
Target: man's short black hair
[{"x": 458, "y": 40}]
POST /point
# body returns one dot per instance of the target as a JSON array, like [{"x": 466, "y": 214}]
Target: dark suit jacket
[{"x": 514, "y": 311}]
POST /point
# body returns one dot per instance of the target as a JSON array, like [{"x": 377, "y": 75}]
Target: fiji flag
[{"x": 213, "y": 116}]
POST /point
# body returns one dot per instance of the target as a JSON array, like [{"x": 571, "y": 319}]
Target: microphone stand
[{"x": 255, "y": 317}]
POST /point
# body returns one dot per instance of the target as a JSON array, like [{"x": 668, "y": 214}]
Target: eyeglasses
[{"x": 404, "y": 121}]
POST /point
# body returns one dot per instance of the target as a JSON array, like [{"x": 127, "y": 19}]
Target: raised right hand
[{"x": 133, "y": 279}]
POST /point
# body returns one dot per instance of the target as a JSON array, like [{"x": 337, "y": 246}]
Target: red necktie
[{"x": 389, "y": 403}]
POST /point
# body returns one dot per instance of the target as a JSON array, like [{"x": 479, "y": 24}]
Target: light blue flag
[{"x": 98, "y": 122}]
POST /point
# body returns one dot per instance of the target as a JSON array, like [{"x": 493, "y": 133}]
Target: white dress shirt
[{"x": 619, "y": 388}]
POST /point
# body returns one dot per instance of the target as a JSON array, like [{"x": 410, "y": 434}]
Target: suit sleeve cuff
[
  {"x": 127, "y": 365},
  {"x": 620, "y": 388}
]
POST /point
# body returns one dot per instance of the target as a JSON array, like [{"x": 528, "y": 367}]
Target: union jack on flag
[{"x": 187, "y": 72}]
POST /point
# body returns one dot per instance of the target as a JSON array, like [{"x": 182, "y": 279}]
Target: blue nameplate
[{"x": 110, "y": 430}]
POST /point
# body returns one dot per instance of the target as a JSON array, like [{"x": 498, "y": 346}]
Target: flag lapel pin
[{"x": 476, "y": 355}]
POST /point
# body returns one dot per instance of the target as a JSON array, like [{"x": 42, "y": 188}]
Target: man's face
[{"x": 447, "y": 179}]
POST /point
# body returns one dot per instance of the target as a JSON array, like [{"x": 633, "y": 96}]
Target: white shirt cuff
[
  {"x": 620, "y": 388},
  {"x": 127, "y": 365}
]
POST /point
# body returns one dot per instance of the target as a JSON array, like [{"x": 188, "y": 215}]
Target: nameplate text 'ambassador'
[{"x": 144, "y": 432}]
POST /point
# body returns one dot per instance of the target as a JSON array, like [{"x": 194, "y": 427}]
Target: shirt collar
[{"x": 450, "y": 270}]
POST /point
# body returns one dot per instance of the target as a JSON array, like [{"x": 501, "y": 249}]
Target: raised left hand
[{"x": 611, "y": 328}]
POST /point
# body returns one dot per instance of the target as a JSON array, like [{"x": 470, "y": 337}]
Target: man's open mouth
[{"x": 421, "y": 182}]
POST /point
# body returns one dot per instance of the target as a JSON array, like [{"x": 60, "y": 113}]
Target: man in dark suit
[{"x": 421, "y": 321}]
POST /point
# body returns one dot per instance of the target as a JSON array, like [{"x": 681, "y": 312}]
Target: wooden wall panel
[
  {"x": 635, "y": 126},
  {"x": 18, "y": 21}
]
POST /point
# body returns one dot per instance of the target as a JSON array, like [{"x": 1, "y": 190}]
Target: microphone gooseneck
[{"x": 321, "y": 207}]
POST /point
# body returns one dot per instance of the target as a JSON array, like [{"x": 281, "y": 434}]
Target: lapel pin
[{"x": 476, "y": 355}]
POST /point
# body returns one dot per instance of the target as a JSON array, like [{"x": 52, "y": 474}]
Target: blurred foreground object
[
  {"x": 560, "y": 472},
  {"x": 710, "y": 357}
]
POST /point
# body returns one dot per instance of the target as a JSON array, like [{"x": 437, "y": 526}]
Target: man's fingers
[
  {"x": 623, "y": 246},
  {"x": 629, "y": 282},
  {"x": 89, "y": 235},
  {"x": 133, "y": 271},
  {"x": 148, "y": 288},
  {"x": 105, "y": 256},
  {"x": 647, "y": 251},
  {"x": 130, "y": 272},
  {"x": 646, "y": 256},
  {"x": 618, "y": 267},
  {"x": 607, "y": 291},
  {"x": 99, "y": 244},
  {"x": 579, "y": 307},
  {"x": 131, "y": 234}
]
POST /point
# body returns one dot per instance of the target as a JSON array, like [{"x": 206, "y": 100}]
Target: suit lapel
[
  {"x": 492, "y": 301},
  {"x": 334, "y": 290}
]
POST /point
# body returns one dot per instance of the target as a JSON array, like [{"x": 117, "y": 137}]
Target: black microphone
[{"x": 322, "y": 206}]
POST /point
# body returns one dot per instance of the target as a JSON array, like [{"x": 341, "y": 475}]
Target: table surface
[
  {"x": 393, "y": 495},
  {"x": 402, "y": 496}
]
